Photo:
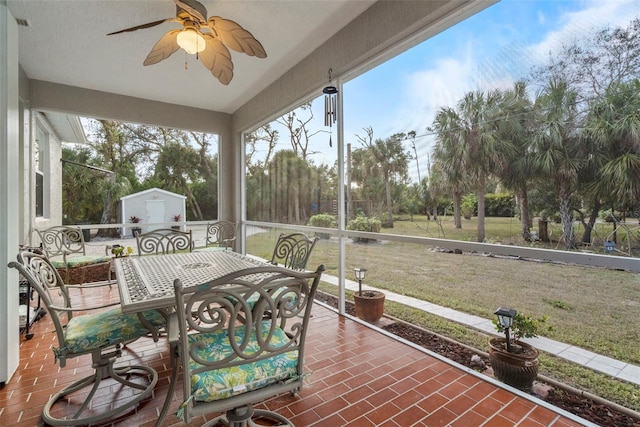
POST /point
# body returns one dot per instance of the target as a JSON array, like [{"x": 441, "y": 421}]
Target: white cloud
[{"x": 579, "y": 24}]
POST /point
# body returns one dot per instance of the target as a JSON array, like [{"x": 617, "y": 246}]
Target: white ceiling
[{"x": 66, "y": 42}]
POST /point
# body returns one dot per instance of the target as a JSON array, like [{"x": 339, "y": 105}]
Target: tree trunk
[
  {"x": 387, "y": 186},
  {"x": 107, "y": 208},
  {"x": 481, "y": 195},
  {"x": 457, "y": 201},
  {"x": 296, "y": 201},
  {"x": 566, "y": 217},
  {"x": 525, "y": 221},
  {"x": 588, "y": 226}
]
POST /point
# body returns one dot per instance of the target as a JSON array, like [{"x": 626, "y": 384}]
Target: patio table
[{"x": 146, "y": 282}]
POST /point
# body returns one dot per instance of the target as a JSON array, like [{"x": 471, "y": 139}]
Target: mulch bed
[{"x": 579, "y": 405}]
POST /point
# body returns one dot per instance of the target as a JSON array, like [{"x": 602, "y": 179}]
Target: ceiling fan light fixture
[{"x": 191, "y": 40}]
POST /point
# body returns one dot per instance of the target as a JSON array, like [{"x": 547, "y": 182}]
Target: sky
[{"x": 490, "y": 50}]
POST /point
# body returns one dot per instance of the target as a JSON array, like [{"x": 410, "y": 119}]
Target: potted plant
[
  {"x": 120, "y": 251},
  {"x": 515, "y": 362},
  {"x": 176, "y": 218},
  {"x": 369, "y": 304},
  {"x": 135, "y": 230}
]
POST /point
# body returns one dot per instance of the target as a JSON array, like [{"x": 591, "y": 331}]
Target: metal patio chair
[
  {"x": 100, "y": 331},
  {"x": 221, "y": 235},
  {"x": 65, "y": 248},
  {"x": 232, "y": 354}
]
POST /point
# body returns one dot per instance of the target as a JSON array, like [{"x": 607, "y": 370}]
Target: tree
[
  {"x": 297, "y": 123},
  {"x": 385, "y": 159},
  {"x": 469, "y": 136},
  {"x": 517, "y": 126},
  {"x": 449, "y": 172},
  {"x": 613, "y": 124},
  {"x": 558, "y": 154},
  {"x": 174, "y": 168},
  {"x": 81, "y": 186},
  {"x": 263, "y": 134},
  {"x": 591, "y": 66}
]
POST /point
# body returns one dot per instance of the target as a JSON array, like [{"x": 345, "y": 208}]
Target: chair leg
[
  {"x": 104, "y": 369},
  {"x": 175, "y": 357}
]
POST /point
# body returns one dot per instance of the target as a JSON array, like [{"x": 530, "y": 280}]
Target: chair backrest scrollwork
[
  {"x": 164, "y": 241},
  {"x": 62, "y": 241},
  {"x": 221, "y": 233},
  {"x": 293, "y": 250}
]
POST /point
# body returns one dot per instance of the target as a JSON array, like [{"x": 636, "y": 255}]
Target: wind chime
[{"x": 330, "y": 106}]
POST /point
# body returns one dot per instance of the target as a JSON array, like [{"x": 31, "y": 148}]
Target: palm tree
[
  {"x": 613, "y": 124},
  {"x": 449, "y": 173},
  {"x": 471, "y": 134},
  {"x": 382, "y": 161},
  {"x": 517, "y": 127},
  {"x": 558, "y": 153}
]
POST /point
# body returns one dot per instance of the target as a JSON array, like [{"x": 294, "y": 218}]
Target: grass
[{"x": 593, "y": 308}]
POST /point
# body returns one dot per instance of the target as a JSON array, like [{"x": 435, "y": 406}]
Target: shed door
[{"x": 155, "y": 213}]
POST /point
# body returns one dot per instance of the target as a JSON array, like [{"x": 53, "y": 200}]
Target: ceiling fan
[{"x": 208, "y": 39}]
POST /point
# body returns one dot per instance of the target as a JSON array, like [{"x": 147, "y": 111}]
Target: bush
[
  {"x": 362, "y": 223},
  {"x": 499, "y": 205},
  {"x": 325, "y": 221},
  {"x": 469, "y": 206}
]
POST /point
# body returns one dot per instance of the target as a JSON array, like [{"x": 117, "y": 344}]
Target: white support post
[{"x": 9, "y": 197}]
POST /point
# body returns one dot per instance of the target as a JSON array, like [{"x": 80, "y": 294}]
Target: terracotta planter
[
  {"x": 369, "y": 305},
  {"x": 516, "y": 369}
]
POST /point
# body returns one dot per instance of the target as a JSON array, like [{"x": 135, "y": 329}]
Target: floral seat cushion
[
  {"x": 226, "y": 382},
  {"x": 91, "y": 332},
  {"x": 290, "y": 298},
  {"x": 80, "y": 261}
]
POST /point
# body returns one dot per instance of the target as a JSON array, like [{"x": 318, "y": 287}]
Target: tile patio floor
[{"x": 359, "y": 377}]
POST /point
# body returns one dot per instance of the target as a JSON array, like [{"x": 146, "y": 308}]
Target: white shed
[{"x": 153, "y": 207}]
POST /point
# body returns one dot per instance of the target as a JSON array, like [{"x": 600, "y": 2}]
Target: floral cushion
[
  {"x": 93, "y": 331},
  {"x": 290, "y": 300},
  {"x": 226, "y": 382},
  {"x": 80, "y": 261}
]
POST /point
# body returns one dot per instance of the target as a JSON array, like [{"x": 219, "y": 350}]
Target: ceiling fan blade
[
  {"x": 217, "y": 58},
  {"x": 164, "y": 48},
  {"x": 140, "y": 27},
  {"x": 193, "y": 8},
  {"x": 236, "y": 37}
]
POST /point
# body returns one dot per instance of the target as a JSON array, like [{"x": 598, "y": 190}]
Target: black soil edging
[{"x": 587, "y": 406}]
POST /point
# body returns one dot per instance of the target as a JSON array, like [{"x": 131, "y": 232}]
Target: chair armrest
[
  {"x": 90, "y": 285},
  {"x": 83, "y": 309},
  {"x": 173, "y": 330}
]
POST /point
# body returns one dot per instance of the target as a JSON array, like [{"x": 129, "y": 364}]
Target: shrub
[
  {"x": 500, "y": 205},
  {"x": 524, "y": 326},
  {"x": 469, "y": 206},
  {"x": 325, "y": 221},
  {"x": 362, "y": 223}
]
